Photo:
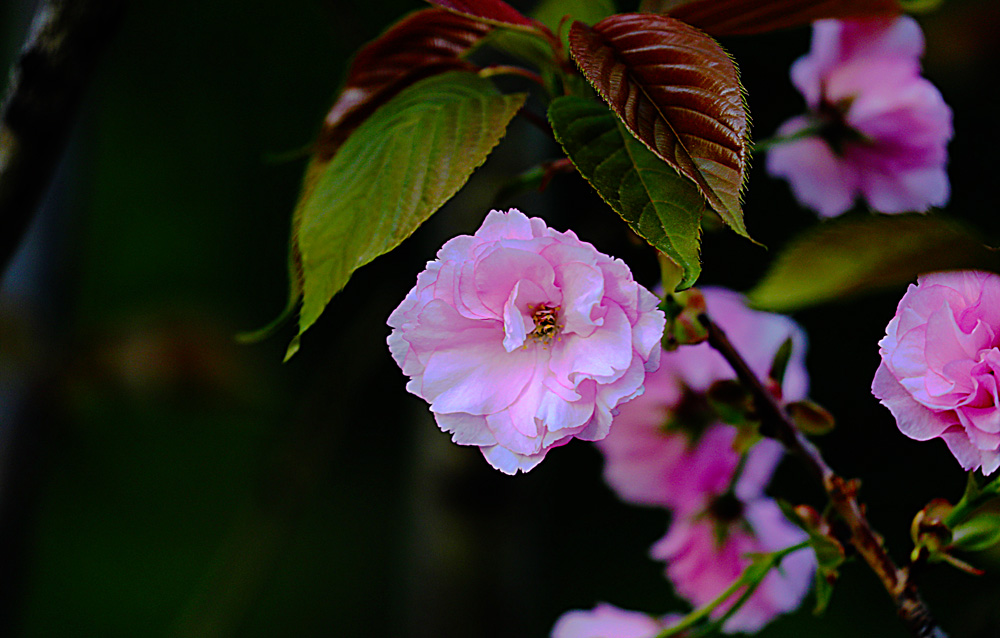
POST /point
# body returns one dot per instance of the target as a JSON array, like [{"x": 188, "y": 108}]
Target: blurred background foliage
[{"x": 160, "y": 480}]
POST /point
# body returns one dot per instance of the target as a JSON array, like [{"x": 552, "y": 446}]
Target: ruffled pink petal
[
  {"x": 510, "y": 462},
  {"x": 914, "y": 420},
  {"x": 818, "y": 178},
  {"x": 500, "y": 226},
  {"x": 583, "y": 288},
  {"x": 480, "y": 377},
  {"x": 968, "y": 455},
  {"x": 498, "y": 273},
  {"x": 606, "y": 353},
  {"x": 466, "y": 429}
]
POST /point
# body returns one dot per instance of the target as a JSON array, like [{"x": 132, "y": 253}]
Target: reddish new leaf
[
  {"x": 745, "y": 17},
  {"x": 677, "y": 92},
  {"x": 495, "y": 11},
  {"x": 422, "y": 44}
]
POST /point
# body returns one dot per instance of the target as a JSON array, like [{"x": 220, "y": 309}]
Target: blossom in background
[
  {"x": 881, "y": 130},
  {"x": 940, "y": 361},
  {"x": 706, "y": 548},
  {"x": 608, "y": 621},
  {"x": 645, "y": 460},
  {"x": 667, "y": 448},
  {"x": 522, "y": 338}
]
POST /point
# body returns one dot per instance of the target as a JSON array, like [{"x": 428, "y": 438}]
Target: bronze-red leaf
[
  {"x": 746, "y": 17},
  {"x": 422, "y": 44},
  {"x": 678, "y": 92},
  {"x": 496, "y": 11}
]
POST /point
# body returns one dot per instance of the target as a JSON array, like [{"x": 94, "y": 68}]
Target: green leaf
[
  {"x": 978, "y": 532},
  {"x": 659, "y": 205},
  {"x": 419, "y": 45},
  {"x": 552, "y": 12},
  {"x": 810, "y": 417},
  {"x": 679, "y": 93},
  {"x": 848, "y": 257},
  {"x": 780, "y": 362},
  {"x": 392, "y": 173}
]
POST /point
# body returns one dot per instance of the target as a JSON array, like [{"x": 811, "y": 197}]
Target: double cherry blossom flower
[
  {"x": 522, "y": 338},
  {"x": 940, "y": 365},
  {"x": 875, "y": 127}
]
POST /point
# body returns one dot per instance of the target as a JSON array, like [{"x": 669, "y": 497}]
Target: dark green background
[{"x": 161, "y": 480}]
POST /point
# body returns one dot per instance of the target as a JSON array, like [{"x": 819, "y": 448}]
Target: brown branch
[
  {"x": 46, "y": 87},
  {"x": 842, "y": 493}
]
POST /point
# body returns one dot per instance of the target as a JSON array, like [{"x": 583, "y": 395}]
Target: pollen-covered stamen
[{"x": 547, "y": 324}]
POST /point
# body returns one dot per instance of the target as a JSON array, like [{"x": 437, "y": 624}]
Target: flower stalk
[{"x": 750, "y": 579}]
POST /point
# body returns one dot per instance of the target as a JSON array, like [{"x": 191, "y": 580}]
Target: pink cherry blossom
[
  {"x": 701, "y": 566},
  {"x": 723, "y": 519},
  {"x": 608, "y": 621},
  {"x": 522, "y": 338},
  {"x": 940, "y": 357},
  {"x": 882, "y": 129},
  {"x": 647, "y": 463}
]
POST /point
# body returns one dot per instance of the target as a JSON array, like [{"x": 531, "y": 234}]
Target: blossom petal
[
  {"x": 914, "y": 420},
  {"x": 510, "y": 462}
]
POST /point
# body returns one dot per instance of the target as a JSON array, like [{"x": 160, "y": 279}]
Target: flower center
[
  {"x": 726, "y": 508},
  {"x": 546, "y": 320},
  {"x": 834, "y": 127}
]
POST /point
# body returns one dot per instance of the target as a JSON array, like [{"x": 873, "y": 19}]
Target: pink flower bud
[{"x": 522, "y": 338}]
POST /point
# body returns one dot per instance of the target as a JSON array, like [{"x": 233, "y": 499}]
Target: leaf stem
[
  {"x": 510, "y": 69},
  {"x": 842, "y": 492},
  {"x": 766, "y": 144},
  {"x": 539, "y": 122}
]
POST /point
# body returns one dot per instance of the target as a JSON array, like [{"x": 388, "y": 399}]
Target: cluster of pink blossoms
[
  {"x": 522, "y": 338},
  {"x": 666, "y": 449},
  {"x": 878, "y": 127},
  {"x": 940, "y": 364}
]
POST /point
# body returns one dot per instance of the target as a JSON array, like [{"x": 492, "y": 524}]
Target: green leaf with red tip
[
  {"x": 679, "y": 93},
  {"x": 746, "y": 17},
  {"x": 851, "y": 256},
  {"x": 423, "y": 44},
  {"x": 659, "y": 205},
  {"x": 780, "y": 361},
  {"x": 392, "y": 173}
]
